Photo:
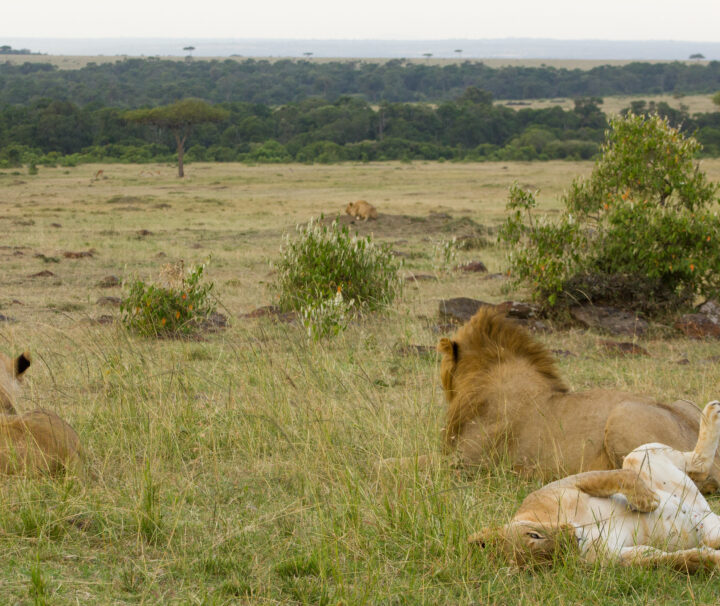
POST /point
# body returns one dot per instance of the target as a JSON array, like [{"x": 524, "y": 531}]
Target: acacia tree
[{"x": 179, "y": 118}]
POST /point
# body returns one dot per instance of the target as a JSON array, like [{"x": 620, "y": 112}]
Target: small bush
[
  {"x": 445, "y": 254},
  {"x": 325, "y": 261},
  {"x": 645, "y": 224},
  {"x": 176, "y": 306},
  {"x": 328, "y": 317}
]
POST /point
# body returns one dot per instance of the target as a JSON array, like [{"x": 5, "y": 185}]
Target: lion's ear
[
  {"x": 486, "y": 536},
  {"x": 21, "y": 363},
  {"x": 448, "y": 348}
]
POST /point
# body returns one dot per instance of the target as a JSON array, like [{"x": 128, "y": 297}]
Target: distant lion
[
  {"x": 507, "y": 401},
  {"x": 361, "y": 210},
  {"x": 648, "y": 513},
  {"x": 34, "y": 441}
]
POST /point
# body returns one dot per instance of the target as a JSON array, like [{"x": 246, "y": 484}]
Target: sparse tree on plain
[{"x": 179, "y": 118}]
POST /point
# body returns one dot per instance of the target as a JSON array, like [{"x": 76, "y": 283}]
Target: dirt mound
[{"x": 387, "y": 225}]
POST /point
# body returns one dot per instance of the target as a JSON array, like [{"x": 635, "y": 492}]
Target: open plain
[{"x": 238, "y": 466}]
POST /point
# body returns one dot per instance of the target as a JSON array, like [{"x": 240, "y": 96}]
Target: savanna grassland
[{"x": 238, "y": 466}]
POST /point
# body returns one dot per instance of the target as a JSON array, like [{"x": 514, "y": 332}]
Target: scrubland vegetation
[{"x": 237, "y": 466}]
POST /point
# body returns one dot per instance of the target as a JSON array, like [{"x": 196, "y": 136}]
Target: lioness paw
[
  {"x": 643, "y": 501},
  {"x": 711, "y": 412}
]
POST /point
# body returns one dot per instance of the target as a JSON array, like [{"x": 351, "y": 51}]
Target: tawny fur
[
  {"x": 507, "y": 401},
  {"x": 34, "y": 441},
  {"x": 648, "y": 513},
  {"x": 361, "y": 210}
]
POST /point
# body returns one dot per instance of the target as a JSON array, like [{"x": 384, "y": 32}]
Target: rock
[
  {"x": 69, "y": 254},
  {"x": 419, "y": 278},
  {"x": 682, "y": 361},
  {"x": 519, "y": 310},
  {"x": 460, "y": 309},
  {"x": 109, "y": 301},
  {"x": 260, "y": 312},
  {"x": 443, "y": 329},
  {"x": 495, "y": 277},
  {"x": 56, "y": 225},
  {"x": 534, "y": 325},
  {"x": 416, "y": 350},
  {"x": 109, "y": 282},
  {"x": 271, "y": 311},
  {"x": 143, "y": 232},
  {"x": 7, "y": 319},
  {"x": 45, "y": 273},
  {"x": 711, "y": 309},
  {"x": 214, "y": 322},
  {"x": 562, "y": 353},
  {"x": 473, "y": 266},
  {"x": 698, "y": 326},
  {"x": 609, "y": 319},
  {"x": 623, "y": 348}
]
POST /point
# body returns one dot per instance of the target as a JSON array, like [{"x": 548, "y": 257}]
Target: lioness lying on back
[
  {"x": 34, "y": 441},
  {"x": 361, "y": 210},
  {"x": 649, "y": 512}
]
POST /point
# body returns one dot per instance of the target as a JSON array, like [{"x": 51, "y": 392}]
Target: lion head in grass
[
  {"x": 11, "y": 374},
  {"x": 33, "y": 441},
  {"x": 527, "y": 543}
]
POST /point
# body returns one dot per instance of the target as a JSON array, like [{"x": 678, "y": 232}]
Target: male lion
[
  {"x": 506, "y": 399},
  {"x": 361, "y": 210},
  {"x": 34, "y": 441},
  {"x": 649, "y": 512}
]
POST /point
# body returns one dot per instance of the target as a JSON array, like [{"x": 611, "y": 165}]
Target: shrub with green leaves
[
  {"x": 641, "y": 232},
  {"x": 324, "y": 260},
  {"x": 175, "y": 307}
]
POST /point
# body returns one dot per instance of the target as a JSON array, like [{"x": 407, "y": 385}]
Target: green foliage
[
  {"x": 38, "y": 587},
  {"x": 645, "y": 219},
  {"x": 176, "y": 307},
  {"x": 643, "y": 159},
  {"x": 325, "y": 272},
  {"x": 150, "y": 82},
  {"x": 716, "y": 98},
  {"x": 444, "y": 254},
  {"x": 180, "y": 115},
  {"x": 150, "y": 520}
]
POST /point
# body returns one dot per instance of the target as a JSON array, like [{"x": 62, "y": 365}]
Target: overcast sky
[{"x": 377, "y": 19}]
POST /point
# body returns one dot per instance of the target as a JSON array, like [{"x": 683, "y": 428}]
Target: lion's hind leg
[{"x": 695, "y": 463}]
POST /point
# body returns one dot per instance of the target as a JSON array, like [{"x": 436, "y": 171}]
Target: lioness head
[
  {"x": 350, "y": 208},
  {"x": 528, "y": 543},
  {"x": 11, "y": 374}
]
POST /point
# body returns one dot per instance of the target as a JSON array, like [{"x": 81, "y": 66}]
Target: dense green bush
[
  {"x": 647, "y": 216},
  {"x": 176, "y": 306},
  {"x": 325, "y": 261}
]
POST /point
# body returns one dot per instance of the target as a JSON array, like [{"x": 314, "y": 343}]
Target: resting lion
[
  {"x": 506, "y": 400},
  {"x": 649, "y": 512},
  {"x": 34, "y": 441},
  {"x": 361, "y": 210}
]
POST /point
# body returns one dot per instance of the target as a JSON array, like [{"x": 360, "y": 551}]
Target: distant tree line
[
  {"x": 135, "y": 83},
  {"x": 6, "y": 49},
  {"x": 470, "y": 127}
]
